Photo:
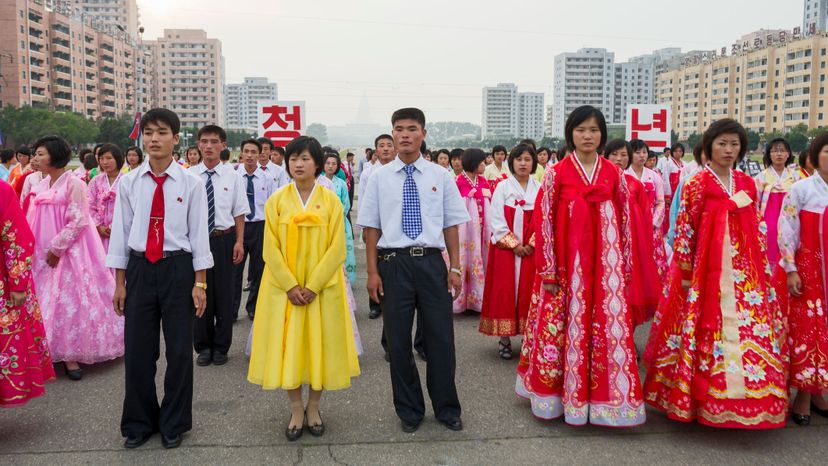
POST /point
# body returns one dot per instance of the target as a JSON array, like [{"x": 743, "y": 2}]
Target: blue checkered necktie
[
  {"x": 211, "y": 202},
  {"x": 412, "y": 222},
  {"x": 251, "y": 197}
]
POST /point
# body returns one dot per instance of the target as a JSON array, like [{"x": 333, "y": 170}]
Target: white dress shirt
[
  {"x": 279, "y": 174},
  {"x": 441, "y": 206},
  {"x": 229, "y": 194},
  {"x": 364, "y": 177},
  {"x": 263, "y": 187},
  {"x": 185, "y": 216}
]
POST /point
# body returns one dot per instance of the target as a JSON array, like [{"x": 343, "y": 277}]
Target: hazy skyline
[{"x": 438, "y": 55}]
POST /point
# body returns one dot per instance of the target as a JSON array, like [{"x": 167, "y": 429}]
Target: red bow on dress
[{"x": 520, "y": 202}]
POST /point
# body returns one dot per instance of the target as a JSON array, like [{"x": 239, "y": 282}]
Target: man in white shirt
[
  {"x": 226, "y": 208},
  {"x": 410, "y": 214},
  {"x": 258, "y": 188},
  {"x": 160, "y": 250},
  {"x": 276, "y": 172},
  {"x": 277, "y": 156}
]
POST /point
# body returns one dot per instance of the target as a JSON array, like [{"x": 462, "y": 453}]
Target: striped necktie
[{"x": 211, "y": 202}]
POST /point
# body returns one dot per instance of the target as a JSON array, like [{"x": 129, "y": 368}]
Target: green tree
[
  {"x": 318, "y": 131},
  {"x": 753, "y": 140},
  {"x": 236, "y": 136},
  {"x": 116, "y": 131},
  {"x": 25, "y": 124},
  {"x": 692, "y": 140}
]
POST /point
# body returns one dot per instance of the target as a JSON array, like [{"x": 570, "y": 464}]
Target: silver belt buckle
[
  {"x": 417, "y": 252},
  {"x": 388, "y": 257}
]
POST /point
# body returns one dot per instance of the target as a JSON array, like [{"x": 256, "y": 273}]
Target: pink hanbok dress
[
  {"x": 475, "y": 237},
  {"x": 654, "y": 188},
  {"x": 102, "y": 203},
  {"x": 772, "y": 188},
  {"x": 76, "y": 295}
]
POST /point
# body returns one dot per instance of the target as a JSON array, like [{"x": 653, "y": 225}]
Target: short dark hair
[
  {"x": 635, "y": 146},
  {"x": 472, "y": 158},
  {"x": 380, "y": 138},
  {"x": 816, "y": 147},
  {"x": 766, "y": 159},
  {"x": 455, "y": 154},
  {"x": 195, "y": 148},
  {"x": 6, "y": 155},
  {"x": 444, "y": 151},
  {"x": 266, "y": 142},
  {"x": 251, "y": 141},
  {"x": 212, "y": 129},
  {"x": 724, "y": 126},
  {"x": 517, "y": 151},
  {"x": 83, "y": 152},
  {"x": 25, "y": 150},
  {"x": 90, "y": 161},
  {"x": 409, "y": 113},
  {"x": 161, "y": 115},
  {"x": 279, "y": 149},
  {"x": 349, "y": 154},
  {"x": 224, "y": 155},
  {"x": 138, "y": 151},
  {"x": 96, "y": 149},
  {"x": 697, "y": 153},
  {"x": 336, "y": 156},
  {"x": 305, "y": 143},
  {"x": 580, "y": 115},
  {"x": 528, "y": 141},
  {"x": 618, "y": 144},
  {"x": 59, "y": 151},
  {"x": 803, "y": 158},
  {"x": 424, "y": 148},
  {"x": 116, "y": 152},
  {"x": 678, "y": 145},
  {"x": 499, "y": 148}
]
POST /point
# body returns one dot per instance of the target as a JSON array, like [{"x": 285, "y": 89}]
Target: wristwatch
[{"x": 201, "y": 285}]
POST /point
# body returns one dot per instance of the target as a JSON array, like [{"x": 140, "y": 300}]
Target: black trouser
[
  {"x": 253, "y": 244},
  {"x": 158, "y": 295},
  {"x": 419, "y": 283},
  {"x": 214, "y": 330},
  {"x": 418, "y": 337}
]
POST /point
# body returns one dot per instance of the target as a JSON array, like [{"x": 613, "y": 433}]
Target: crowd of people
[{"x": 569, "y": 250}]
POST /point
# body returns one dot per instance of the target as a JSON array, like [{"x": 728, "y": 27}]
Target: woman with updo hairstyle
[{"x": 773, "y": 183}]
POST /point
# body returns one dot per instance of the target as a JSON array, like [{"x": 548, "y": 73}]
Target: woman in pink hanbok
[
  {"x": 474, "y": 234},
  {"x": 773, "y": 183},
  {"x": 74, "y": 286},
  {"x": 102, "y": 190},
  {"x": 654, "y": 188}
]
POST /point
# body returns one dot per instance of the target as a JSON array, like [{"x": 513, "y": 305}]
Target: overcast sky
[{"x": 439, "y": 54}]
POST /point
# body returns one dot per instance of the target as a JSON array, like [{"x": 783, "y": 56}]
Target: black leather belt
[
  {"x": 216, "y": 233},
  {"x": 387, "y": 254},
  {"x": 164, "y": 255}
]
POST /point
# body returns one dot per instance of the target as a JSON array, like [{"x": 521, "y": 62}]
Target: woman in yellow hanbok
[{"x": 302, "y": 333}]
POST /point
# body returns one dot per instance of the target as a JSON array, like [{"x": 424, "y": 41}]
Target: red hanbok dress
[
  {"x": 474, "y": 243},
  {"x": 644, "y": 287},
  {"x": 671, "y": 172},
  {"x": 772, "y": 188},
  {"x": 509, "y": 278},
  {"x": 578, "y": 357},
  {"x": 25, "y": 364},
  {"x": 803, "y": 245},
  {"x": 654, "y": 187},
  {"x": 717, "y": 354}
]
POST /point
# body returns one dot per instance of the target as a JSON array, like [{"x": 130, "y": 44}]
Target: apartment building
[
  {"x": 109, "y": 13},
  {"x": 507, "y": 112},
  {"x": 241, "y": 102}
]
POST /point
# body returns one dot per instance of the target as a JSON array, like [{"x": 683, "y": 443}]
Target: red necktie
[{"x": 155, "y": 231}]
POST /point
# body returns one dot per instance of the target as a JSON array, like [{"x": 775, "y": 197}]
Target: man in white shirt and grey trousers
[{"x": 409, "y": 215}]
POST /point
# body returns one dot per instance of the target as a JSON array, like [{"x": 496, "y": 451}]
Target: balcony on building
[{"x": 35, "y": 17}]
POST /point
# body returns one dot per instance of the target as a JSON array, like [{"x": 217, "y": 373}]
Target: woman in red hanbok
[
  {"x": 510, "y": 272},
  {"x": 773, "y": 183},
  {"x": 671, "y": 172},
  {"x": 654, "y": 187},
  {"x": 803, "y": 245},
  {"x": 578, "y": 357},
  {"x": 25, "y": 364},
  {"x": 644, "y": 286},
  {"x": 474, "y": 234},
  {"x": 718, "y": 351}
]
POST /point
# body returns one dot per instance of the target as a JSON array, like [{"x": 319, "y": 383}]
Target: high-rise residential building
[
  {"x": 241, "y": 102},
  {"x": 53, "y": 58},
  {"x": 585, "y": 77},
  {"x": 119, "y": 14},
  {"x": 767, "y": 89},
  {"x": 815, "y": 16},
  {"x": 507, "y": 112},
  {"x": 187, "y": 76},
  {"x": 635, "y": 81}
]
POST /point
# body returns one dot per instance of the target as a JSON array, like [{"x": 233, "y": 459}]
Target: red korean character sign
[
  {"x": 281, "y": 122},
  {"x": 650, "y": 123}
]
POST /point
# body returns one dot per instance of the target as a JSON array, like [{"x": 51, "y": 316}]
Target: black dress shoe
[
  {"x": 246, "y": 287},
  {"x": 219, "y": 359},
  {"x": 73, "y": 374},
  {"x": 204, "y": 358},
  {"x": 410, "y": 427},
  {"x": 801, "y": 419},
  {"x": 374, "y": 313},
  {"x": 137, "y": 441},
  {"x": 818, "y": 410},
  {"x": 294, "y": 433},
  {"x": 422, "y": 355},
  {"x": 387, "y": 357},
  {"x": 317, "y": 430},
  {"x": 171, "y": 442},
  {"x": 250, "y": 315},
  {"x": 453, "y": 424}
]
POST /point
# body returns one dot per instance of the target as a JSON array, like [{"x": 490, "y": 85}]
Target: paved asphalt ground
[{"x": 238, "y": 423}]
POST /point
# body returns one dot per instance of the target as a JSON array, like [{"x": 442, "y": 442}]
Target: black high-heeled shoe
[
  {"x": 316, "y": 430},
  {"x": 818, "y": 410},
  {"x": 73, "y": 374},
  {"x": 801, "y": 419},
  {"x": 295, "y": 433}
]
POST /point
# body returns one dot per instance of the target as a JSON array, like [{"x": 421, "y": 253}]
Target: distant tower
[{"x": 363, "y": 116}]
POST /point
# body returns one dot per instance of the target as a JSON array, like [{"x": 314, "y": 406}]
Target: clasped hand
[{"x": 299, "y": 296}]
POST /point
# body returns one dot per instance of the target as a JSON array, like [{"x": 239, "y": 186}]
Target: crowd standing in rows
[{"x": 570, "y": 249}]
